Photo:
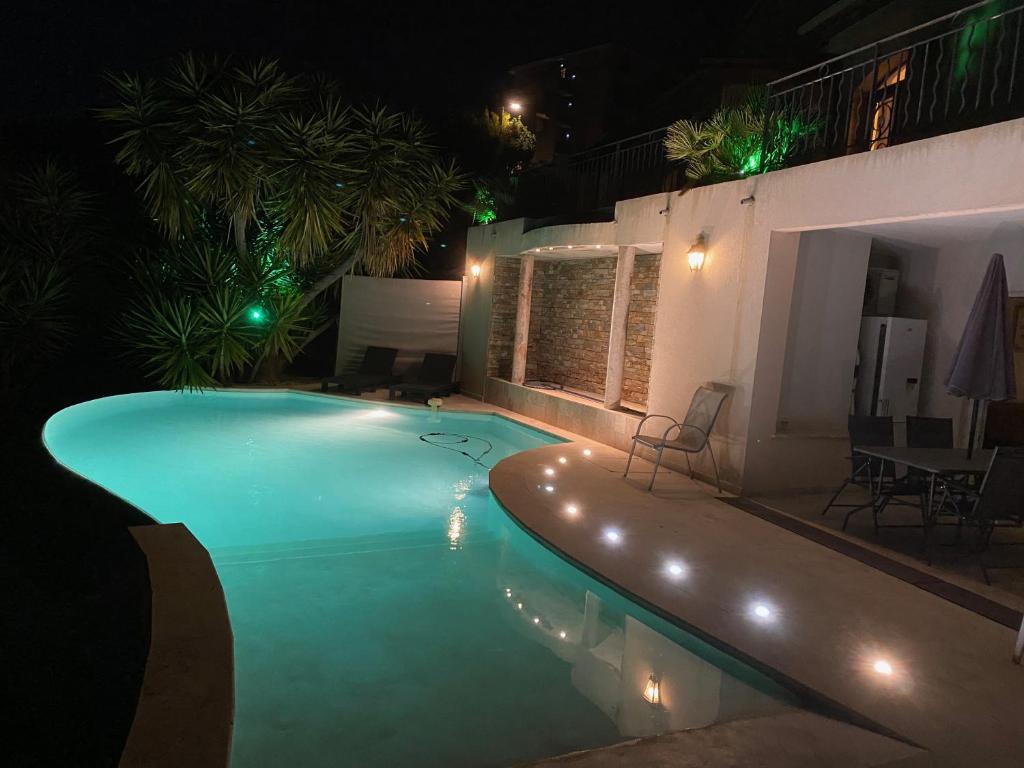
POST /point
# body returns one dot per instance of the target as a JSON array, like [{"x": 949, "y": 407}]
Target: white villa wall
[
  {"x": 824, "y": 325},
  {"x": 730, "y": 322}
]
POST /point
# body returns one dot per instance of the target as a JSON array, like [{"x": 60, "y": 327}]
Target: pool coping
[
  {"x": 542, "y": 517},
  {"x": 189, "y": 675}
]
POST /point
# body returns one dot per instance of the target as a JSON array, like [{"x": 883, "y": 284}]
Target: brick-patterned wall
[
  {"x": 643, "y": 303},
  {"x": 569, "y": 322},
  {"x": 503, "y": 317}
]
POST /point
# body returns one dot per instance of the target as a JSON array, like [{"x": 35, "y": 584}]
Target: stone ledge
[{"x": 186, "y": 706}]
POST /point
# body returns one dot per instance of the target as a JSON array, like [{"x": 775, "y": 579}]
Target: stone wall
[
  {"x": 569, "y": 323},
  {"x": 503, "y": 318},
  {"x": 643, "y": 304}
]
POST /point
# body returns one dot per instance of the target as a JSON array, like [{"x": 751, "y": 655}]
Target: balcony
[
  {"x": 585, "y": 186},
  {"x": 959, "y": 71},
  {"x": 956, "y": 72}
]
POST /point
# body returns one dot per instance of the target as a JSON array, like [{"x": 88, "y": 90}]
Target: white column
[
  {"x": 617, "y": 332},
  {"x": 522, "y": 338}
]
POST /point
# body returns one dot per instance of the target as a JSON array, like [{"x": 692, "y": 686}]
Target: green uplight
[{"x": 257, "y": 315}]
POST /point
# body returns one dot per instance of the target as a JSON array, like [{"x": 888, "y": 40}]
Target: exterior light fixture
[
  {"x": 257, "y": 315},
  {"x": 550, "y": 472},
  {"x": 515, "y": 106},
  {"x": 587, "y": 451},
  {"x": 474, "y": 270},
  {"x": 549, "y": 488},
  {"x": 695, "y": 256},
  {"x": 571, "y": 510},
  {"x": 612, "y": 535},
  {"x": 883, "y": 667},
  {"x": 652, "y": 691},
  {"x": 562, "y": 634},
  {"x": 562, "y": 460}
]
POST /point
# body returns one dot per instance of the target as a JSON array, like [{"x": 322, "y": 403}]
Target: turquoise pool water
[{"x": 386, "y": 611}]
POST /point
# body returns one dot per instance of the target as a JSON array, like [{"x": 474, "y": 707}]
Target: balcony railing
[
  {"x": 599, "y": 177},
  {"x": 959, "y": 71}
]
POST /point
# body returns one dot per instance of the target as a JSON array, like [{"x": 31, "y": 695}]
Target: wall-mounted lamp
[
  {"x": 695, "y": 256},
  {"x": 652, "y": 691},
  {"x": 474, "y": 270}
]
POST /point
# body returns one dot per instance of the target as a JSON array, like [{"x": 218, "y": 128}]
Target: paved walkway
[{"x": 888, "y": 655}]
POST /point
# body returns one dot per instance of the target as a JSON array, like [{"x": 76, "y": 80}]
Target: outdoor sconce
[
  {"x": 474, "y": 270},
  {"x": 695, "y": 256},
  {"x": 652, "y": 691}
]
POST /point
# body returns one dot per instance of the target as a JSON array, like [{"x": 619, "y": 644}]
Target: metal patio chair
[
  {"x": 692, "y": 434},
  {"x": 1000, "y": 500},
  {"x": 865, "y": 471}
]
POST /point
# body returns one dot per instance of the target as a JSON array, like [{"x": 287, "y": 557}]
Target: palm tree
[
  {"x": 44, "y": 235},
  {"x": 729, "y": 144},
  {"x": 343, "y": 189}
]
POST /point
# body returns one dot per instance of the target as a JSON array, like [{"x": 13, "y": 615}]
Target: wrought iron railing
[
  {"x": 958, "y": 71},
  {"x": 599, "y": 177}
]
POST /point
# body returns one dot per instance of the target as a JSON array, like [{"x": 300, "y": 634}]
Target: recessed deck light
[
  {"x": 587, "y": 452},
  {"x": 562, "y": 634},
  {"x": 612, "y": 535},
  {"x": 762, "y": 612},
  {"x": 519, "y": 606},
  {"x": 675, "y": 569},
  {"x": 549, "y": 471},
  {"x": 549, "y": 488},
  {"x": 882, "y": 667},
  {"x": 536, "y": 620},
  {"x": 571, "y": 510}
]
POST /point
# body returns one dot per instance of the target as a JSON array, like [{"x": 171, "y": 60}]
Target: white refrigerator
[{"x": 891, "y": 356}]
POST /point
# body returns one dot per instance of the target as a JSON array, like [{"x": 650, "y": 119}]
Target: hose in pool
[{"x": 451, "y": 441}]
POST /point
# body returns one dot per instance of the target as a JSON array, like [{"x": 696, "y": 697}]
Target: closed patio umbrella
[{"x": 982, "y": 367}]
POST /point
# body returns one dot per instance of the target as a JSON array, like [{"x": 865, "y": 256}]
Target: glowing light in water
[{"x": 456, "y": 528}]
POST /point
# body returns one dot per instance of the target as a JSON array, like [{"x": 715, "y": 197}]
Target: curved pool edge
[
  {"x": 185, "y": 709},
  {"x": 533, "y": 512},
  {"x": 189, "y": 628},
  {"x": 185, "y": 712}
]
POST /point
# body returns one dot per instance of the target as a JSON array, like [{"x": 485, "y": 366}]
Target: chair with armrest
[{"x": 691, "y": 435}]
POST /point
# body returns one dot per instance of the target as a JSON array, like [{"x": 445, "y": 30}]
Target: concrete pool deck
[{"x": 827, "y": 618}]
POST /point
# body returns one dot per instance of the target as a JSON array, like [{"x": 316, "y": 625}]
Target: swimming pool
[{"x": 386, "y": 610}]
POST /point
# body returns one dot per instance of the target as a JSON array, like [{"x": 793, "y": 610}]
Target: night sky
[{"x": 432, "y": 56}]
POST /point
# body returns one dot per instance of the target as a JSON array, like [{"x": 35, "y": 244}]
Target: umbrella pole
[{"x": 974, "y": 428}]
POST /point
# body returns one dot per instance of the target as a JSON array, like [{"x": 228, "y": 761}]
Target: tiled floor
[{"x": 956, "y": 561}]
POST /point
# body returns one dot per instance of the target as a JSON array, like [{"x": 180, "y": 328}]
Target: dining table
[{"x": 933, "y": 462}]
